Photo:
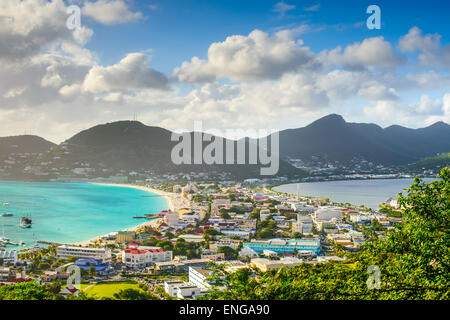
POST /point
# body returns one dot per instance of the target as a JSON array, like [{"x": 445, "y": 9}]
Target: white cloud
[
  {"x": 257, "y": 56},
  {"x": 429, "y": 46},
  {"x": 414, "y": 41},
  {"x": 282, "y": 7},
  {"x": 371, "y": 53},
  {"x": 29, "y": 26},
  {"x": 427, "y": 105},
  {"x": 110, "y": 12},
  {"x": 132, "y": 72},
  {"x": 313, "y": 8}
]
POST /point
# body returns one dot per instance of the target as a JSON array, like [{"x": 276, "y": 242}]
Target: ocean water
[
  {"x": 370, "y": 193},
  {"x": 71, "y": 212}
]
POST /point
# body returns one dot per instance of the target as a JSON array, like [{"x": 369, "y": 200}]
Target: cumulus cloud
[
  {"x": 29, "y": 26},
  {"x": 370, "y": 53},
  {"x": 427, "y": 105},
  {"x": 414, "y": 41},
  {"x": 431, "y": 54},
  {"x": 110, "y": 12},
  {"x": 257, "y": 56},
  {"x": 132, "y": 72}
]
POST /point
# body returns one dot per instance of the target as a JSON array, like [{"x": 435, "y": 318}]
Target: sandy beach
[{"x": 175, "y": 202}]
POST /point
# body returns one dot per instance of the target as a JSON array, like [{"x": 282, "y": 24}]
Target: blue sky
[
  {"x": 178, "y": 29},
  {"x": 246, "y": 64}
]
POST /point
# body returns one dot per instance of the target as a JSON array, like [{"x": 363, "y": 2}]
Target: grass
[{"x": 107, "y": 290}]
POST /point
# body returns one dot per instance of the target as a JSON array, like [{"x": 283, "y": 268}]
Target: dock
[{"x": 50, "y": 243}]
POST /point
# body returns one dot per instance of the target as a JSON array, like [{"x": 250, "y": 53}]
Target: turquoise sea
[
  {"x": 370, "y": 193},
  {"x": 71, "y": 212}
]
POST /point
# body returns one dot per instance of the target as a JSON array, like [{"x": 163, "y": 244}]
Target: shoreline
[{"x": 174, "y": 201}]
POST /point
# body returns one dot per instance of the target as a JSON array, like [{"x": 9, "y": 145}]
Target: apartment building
[{"x": 66, "y": 251}]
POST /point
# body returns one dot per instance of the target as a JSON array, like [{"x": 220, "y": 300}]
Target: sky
[{"x": 230, "y": 64}]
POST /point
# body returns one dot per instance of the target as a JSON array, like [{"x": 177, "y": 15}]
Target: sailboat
[{"x": 25, "y": 222}]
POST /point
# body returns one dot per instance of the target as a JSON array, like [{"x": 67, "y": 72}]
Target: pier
[{"x": 49, "y": 243}]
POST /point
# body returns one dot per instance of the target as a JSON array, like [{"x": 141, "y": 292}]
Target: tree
[
  {"x": 230, "y": 253},
  {"x": 92, "y": 271},
  {"x": 28, "y": 291},
  {"x": 225, "y": 215},
  {"x": 44, "y": 266},
  {"x": 133, "y": 294}
]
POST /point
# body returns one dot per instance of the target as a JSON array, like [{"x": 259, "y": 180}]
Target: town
[{"x": 225, "y": 225}]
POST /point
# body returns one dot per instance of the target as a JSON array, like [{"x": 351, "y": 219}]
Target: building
[
  {"x": 237, "y": 233},
  {"x": 213, "y": 256},
  {"x": 175, "y": 266},
  {"x": 6, "y": 273},
  {"x": 327, "y": 216},
  {"x": 280, "y": 246},
  {"x": 233, "y": 244},
  {"x": 170, "y": 287},
  {"x": 125, "y": 236},
  {"x": 100, "y": 267},
  {"x": 247, "y": 252},
  {"x": 65, "y": 251},
  {"x": 69, "y": 291},
  {"x": 192, "y": 237},
  {"x": 171, "y": 219},
  {"x": 304, "y": 224},
  {"x": 137, "y": 259},
  {"x": 269, "y": 265},
  {"x": 50, "y": 276},
  {"x": 8, "y": 257},
  {"x": 198, "y": 277}
]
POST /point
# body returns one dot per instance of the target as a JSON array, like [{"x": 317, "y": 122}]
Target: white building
[
  {"x": 237, "y": 233},
  {"x": 8, "y": 257},
  {"x": 198, "y": 276},
  {"x": 304, "y": 224},
  {"x": 264, "y": 214},
  {"x": 181, "y": 289},
  {"x": 171, "y": 219},
  {"x": 66, "y": 251},
  {"x": 247, "y": 252},
  {"x": 137, "y": 258},
  {"x": 326, "y": 215}
]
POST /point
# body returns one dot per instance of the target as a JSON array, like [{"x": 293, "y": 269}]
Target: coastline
[{"x": 175, "y": 202}]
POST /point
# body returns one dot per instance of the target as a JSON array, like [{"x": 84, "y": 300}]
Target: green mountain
[
  {"x": 333, "y": 138},
  {"x": 132, "y": 146},
  {"x": 23, "y": 144},
  {"x": 437, "y": 162}
]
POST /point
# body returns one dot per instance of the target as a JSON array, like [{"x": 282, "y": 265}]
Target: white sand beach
[{"x": 175, "y": 201}]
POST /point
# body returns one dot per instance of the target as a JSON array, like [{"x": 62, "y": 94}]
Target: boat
[
  {"x": 7, "y": 214},
  {"x": 5, "y": 204},
  {"x": 26, "y": 220}
]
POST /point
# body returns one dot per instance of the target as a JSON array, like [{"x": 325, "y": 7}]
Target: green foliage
[
  {"x": 28, "y": 291},
  {"x": 230, "y": 253},
  {"x": 133, "y": 294}
]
